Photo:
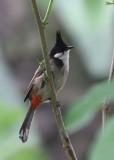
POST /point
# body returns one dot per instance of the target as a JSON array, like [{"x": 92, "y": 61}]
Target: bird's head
[{"x": 60, "y": 49}]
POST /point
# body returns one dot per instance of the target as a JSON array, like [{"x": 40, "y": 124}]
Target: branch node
[
  {"x": 43, "y": 25},
  {"x": 107, "y": 109}
]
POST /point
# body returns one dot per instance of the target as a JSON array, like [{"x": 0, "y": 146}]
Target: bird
[{"x": 38, "y": 91}]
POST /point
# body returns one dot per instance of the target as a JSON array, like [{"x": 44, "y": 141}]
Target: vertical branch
[
  {"x": 56, "y": 109},
  {"x": 106, "y": 106},
  {"x": 111, "y": 73}
]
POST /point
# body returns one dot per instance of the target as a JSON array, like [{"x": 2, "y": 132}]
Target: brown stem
[
  {"x": 105, "y": 114},
  {"x": 56, "y": 109}
]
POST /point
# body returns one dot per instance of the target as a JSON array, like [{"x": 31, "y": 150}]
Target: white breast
[
  {"x": 61, "y": 76},
  {"x": 65, "y": 59}
]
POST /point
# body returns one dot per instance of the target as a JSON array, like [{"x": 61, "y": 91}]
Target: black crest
[{"x": 60, "y": 44}]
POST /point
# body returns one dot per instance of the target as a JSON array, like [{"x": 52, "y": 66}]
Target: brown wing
[{"x": 31, "y": 84}]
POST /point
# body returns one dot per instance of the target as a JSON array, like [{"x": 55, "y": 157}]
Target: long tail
[{"x": 24, "y": 130}]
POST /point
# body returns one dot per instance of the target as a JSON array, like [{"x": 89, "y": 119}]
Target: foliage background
[{"x": 88, "y": 26}]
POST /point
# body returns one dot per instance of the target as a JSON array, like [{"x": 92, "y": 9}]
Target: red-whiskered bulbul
[{"x": 38, "y": 92}]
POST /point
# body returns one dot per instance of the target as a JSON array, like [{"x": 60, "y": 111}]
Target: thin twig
[
  {"x": 56, "y": 109},
  {"x": 111, "y": 73},
  {"x": 106, "y": 106},
  {"x": 47, "y": 12}
]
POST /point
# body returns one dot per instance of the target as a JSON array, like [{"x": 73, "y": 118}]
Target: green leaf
[
  {"x": 103, "y": 146},
  {"x": 108, "y": 3},
  {"x": 8, "y": 117},
  {"x": 13, "y": 149},
  {"x": 29, "y": 153},
  {"x": 80, "y": 113}
]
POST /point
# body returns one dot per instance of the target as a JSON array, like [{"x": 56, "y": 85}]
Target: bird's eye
[{"x": 57, "y": 51}]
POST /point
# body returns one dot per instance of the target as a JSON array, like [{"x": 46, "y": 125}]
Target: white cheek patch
[{"x": 57, "y": 55}]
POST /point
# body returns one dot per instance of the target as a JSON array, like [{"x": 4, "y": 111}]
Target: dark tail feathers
[{"x": 24, "y": 130}]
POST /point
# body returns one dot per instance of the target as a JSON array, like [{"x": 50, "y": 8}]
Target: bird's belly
[
  {"x": 58, "y": 84},
  {"x": 59, "y": 81},
  {"x": 44, "y": 93}
]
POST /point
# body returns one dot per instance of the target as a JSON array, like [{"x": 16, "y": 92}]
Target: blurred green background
[{"x": 88, "y": 25}]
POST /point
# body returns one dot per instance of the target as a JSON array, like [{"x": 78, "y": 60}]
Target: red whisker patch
[{"x": 58, "y": 52}]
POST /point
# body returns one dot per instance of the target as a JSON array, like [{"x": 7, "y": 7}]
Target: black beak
[{"x": 69, "y": 47}]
